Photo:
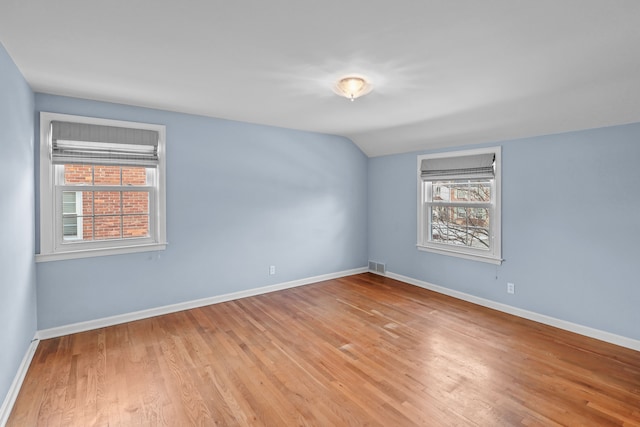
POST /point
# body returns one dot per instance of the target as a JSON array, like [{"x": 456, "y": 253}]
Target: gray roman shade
[
  {"x": 479, "y": 166},
  {"x": 105, "y": 145}
]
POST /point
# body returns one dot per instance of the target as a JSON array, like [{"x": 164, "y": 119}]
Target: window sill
[
  {"x": 89, "y": 253},
  {"x": 474, "y": 257}
]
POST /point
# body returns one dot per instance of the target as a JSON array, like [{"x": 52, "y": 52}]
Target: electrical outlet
[
  {"x": 272, "y": 270},
  {"x": 511, "y": 288}
]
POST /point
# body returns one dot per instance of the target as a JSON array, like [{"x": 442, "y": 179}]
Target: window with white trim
[
  {"x": 102, "y": 187},
  {"x": 459, "y": 204}
]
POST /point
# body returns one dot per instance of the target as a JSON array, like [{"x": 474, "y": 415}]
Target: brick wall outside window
[{"x": 107, "y": 214}]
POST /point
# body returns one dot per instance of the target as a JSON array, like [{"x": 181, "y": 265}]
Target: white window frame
[
  {"x": 494, "y": 254},
  {"x": 52, "y": 246}
]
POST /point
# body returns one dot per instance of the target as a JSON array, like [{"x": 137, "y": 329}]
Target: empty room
[{"x": 335, "y": 213}]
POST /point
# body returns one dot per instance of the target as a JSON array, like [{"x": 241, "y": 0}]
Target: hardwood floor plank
[{"x": 359, "y": 350}]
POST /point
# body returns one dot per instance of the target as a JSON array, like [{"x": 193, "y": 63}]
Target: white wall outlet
[
  {"x": 272, "y": 270},
  {"x": 511, "y": 288}
]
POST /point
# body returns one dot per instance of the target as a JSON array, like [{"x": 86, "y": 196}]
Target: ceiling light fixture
[{"x": 352, "y": 87}]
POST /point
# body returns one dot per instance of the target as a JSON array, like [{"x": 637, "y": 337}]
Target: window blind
[
  {"x": 105, "y": 145},
  {"x": 479, "y": 166}
]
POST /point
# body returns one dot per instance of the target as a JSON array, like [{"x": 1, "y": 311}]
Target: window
[
  {"x": 459, "y": 204},
  {"x": 102, "y": 187},
  {"x": 72, "y": 214}
]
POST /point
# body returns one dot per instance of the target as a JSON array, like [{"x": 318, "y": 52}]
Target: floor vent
[{"x": 377, "y": 267}]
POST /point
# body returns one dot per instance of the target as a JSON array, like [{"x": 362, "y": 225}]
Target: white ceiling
[{"x": 444, "y": 72}]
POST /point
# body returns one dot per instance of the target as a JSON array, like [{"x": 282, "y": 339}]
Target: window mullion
[
  {"x": 121, "y": 209},
  {"x": 460, "y": 204},
  {"x": 104, "y": 188}
]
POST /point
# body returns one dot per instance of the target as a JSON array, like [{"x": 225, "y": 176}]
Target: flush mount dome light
[{"x": 352, "y": 87}]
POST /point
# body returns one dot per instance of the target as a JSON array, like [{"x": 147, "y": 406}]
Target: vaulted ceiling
[{"x": 443, "y": 73}]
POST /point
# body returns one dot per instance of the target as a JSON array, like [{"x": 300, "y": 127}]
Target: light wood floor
[{"x": 362, "y": 350}]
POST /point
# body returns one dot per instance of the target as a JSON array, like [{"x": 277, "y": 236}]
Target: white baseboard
[
  {"x": 144, "y": 314},
  {"x": 536, "y": 317},
  {"x": 12, "y": 394}
]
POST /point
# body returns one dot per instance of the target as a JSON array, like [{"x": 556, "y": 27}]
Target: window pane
[
  {"x": 87, "y": 228},
  {"x": 107, "y": 227},
  {"x": 135, "y": 226},
  {"x": 78, "y": 174},
  {"x": 461, "y": 193},
  {"x": 480, "y": 191},
  {"x": 87, "y": 203},
  {"x": 135, "y": 202},
  {"x": 69, "y": 202},
  {"x": 441, "y": 192},
  {"x": 134, "y": 176},
  {"x": 70, "y": 227},
  {"x": 465, "y": 191},
  {"x": 105, "y": 215},
  {"x": 479, "y": 216},
  {"x": 70, "y": 207},
  {"x": 106, "y": 203},
  {"x": 107, "y": 175},
  {"x": 460, "y": 226}
]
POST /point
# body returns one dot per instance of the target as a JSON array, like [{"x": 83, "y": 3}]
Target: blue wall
[
  {"x": 240, "y": 197},
  {"x": 17, "y": 268},
  {"x": 571, "y": 230}
]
